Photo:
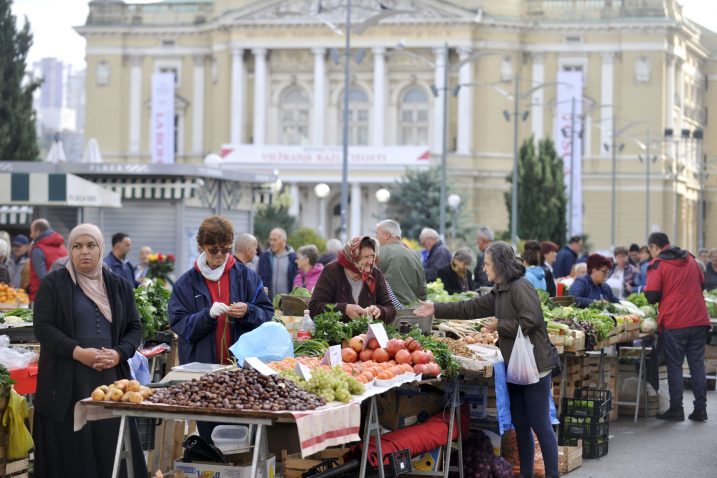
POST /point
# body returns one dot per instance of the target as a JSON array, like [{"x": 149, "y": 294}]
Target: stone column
[
  {"x": 318, "y": 119},
  {"x": 295, "y": 200},
  {"x": 260, "y": 95},
  {"x": 441, "y": 62},
  {"x": 135, "y": 105},
  {"x": 355, "y": 216},
  {"x": 198, "y": 106},
  {"x": 606, "y": 99},
  {"x": 538, "y": 100},
  {"x": 238, "y": 97},
  {"x": 379, "y": 96},
  {"x": 670, "y": 93},
  {"x": 465, "y": 105}
]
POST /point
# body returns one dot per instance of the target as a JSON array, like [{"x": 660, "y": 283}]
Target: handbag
[
  {"x": 197, "y": 449},
  {"x": 522, "y": 369}
]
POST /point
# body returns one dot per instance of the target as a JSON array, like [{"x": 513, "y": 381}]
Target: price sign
[
  {"x": 303, "y": 371},
  {"x": 259, "y": 366},
  {"x": 376, "y": 331},
  {"x": 332, "y": 356}
]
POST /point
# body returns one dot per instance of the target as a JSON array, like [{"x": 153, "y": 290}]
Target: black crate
[
  {"x": 588, "y": 402},
  {"x": 583, "y": 427},
  {"x": 147, "y": 429},
  {"x": 592, "y": 448}
]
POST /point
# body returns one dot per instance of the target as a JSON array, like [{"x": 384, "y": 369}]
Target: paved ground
[{"x": 654, "y": 448}]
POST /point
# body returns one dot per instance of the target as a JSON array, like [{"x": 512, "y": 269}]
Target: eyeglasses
[
  {"x": 604, "y": 271},
  {"x": 214, "y": 250}
]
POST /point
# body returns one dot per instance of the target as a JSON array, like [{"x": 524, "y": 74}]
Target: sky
[{"x": 52, "y": 23}]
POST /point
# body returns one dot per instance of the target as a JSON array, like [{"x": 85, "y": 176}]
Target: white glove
[{"x": 218, "y": 308}]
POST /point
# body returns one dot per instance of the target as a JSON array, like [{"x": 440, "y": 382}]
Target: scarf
[
  {"x": 209, "y": 273},
  {"x": 92, "y": 283},
  {"x": 349, "y": 258}
]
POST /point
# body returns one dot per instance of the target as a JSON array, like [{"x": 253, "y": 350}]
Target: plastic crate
[
  {"x": 587, "y": 429},
  {"x": 588, "y": 402},
  {"x": 147, "y": 429},
  {"x": 592, "y": 448}
]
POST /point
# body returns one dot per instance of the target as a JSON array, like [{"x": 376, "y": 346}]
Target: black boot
[
  {"x": 699, "y": 415},
  {"x": 675, "y": 414}
]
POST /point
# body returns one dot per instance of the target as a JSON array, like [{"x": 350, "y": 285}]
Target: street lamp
[
  {"x": 454, "y": 201},
  {"x": 698, "y": 136},
  {"x": 382, "y": 196},
  {"x": 675, "y": 169},
  {"x": 647, "y": 159},
  {"x": 322, "y": 191}
]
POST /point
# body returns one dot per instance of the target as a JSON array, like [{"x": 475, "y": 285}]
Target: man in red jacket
[
  {"x": 675, "y": 280},
  {"x": 47, "y": 247}
]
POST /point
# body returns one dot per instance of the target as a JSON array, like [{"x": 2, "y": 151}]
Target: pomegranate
[
  {"x": 420, "y": 368},
  {"x": 348, "y": 355},
  {"x": 373, "y": 344},
  {"x": 404, "y": 356},
  {"x": 430, "y": 356},
  {"x": 393, "y": 346},
  {"x": 356, "y": 343},
  {"x": 419, "y": 357},
  {"x": 366, "y": 355},
  {"x": 380, "y": 355},
  {"x": 412, "y": 344}
]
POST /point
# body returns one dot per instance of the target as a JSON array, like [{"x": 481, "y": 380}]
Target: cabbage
[
  {"x": 648, "y": 326},
  {"x": 649, "y": 311}
]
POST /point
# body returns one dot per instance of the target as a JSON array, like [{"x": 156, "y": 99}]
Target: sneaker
[
  {"x": 699, "y": 415},
  {"x": 674, "y": 414}
]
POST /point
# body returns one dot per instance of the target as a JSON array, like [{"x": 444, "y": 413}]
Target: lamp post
[
  {"x": 675, "y": 170},
  {"x": 648, "y": 159},
  {"x": 382, "y": 196},
  {"x": 454, "y": 201},
  {"x": 698, "y": 135},
  {"x": 322, "y": 191}
]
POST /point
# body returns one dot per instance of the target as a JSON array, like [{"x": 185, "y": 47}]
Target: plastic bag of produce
[
  {"x": 20, "y": 441},
  {"x": 268, "y": 342},
  {"x": 522, "y": 369}
]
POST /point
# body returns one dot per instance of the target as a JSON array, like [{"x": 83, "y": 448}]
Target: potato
[
  {"x": 116, "y": 395},
  {"x": 125, "y": 397},
  {"x": 135, "y": 397},
  {"x": 146, "y": 392},
  {"x": 103, "y": 388},
  {"x": 122, "y": 384},
  {"x": 108, "y": 393},
  {"x": 98, "y": 394},
  {"x": 133, "y": 386}
]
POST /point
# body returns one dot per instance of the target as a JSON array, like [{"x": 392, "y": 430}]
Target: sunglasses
[{"x": 214, "y": 250}]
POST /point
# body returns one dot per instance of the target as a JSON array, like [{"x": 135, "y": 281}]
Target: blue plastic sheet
[
  {"x": 502, "y": 400},
  {"x": 268, "y": 342},
  {"x": 139, "y": 367}
]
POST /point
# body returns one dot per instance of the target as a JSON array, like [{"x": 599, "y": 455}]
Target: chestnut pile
[{"x": 239, "y": 389}]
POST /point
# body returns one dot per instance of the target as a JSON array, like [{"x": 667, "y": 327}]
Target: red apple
[
  {"x": 348, "y": 355},
  {"x": 380, "y": 355},
  {"x": 366, "y": 355}
]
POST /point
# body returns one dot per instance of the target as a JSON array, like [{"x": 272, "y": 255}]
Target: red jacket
[
  {"x": 53, "y": 246},
  {"x": 675, "y": 281}
]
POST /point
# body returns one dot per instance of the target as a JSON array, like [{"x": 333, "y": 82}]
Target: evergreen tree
[
  {"x": 415, "y": 204},
  {"x": 270, "y": 216},
  {"x": 542, "y": 203},
  {"x": 18, "y": 138}
]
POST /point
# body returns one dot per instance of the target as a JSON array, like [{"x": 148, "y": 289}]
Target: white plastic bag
[{"x": 522, "y": 369}]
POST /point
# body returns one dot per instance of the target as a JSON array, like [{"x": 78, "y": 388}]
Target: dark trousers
[
  {"x": 530, "y": 409},
  {"x": 676, "y": 345}
]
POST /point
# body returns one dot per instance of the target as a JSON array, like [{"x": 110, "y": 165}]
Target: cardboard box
[
  {"x": 570, "y": 457},
  {"x": 476, "y": 396},
  {"x": 241, "y": 468},
  {"x": 403, "y": 408},
  {"x": 295, "y": 466},
  {"x": 428, "y": 461}
]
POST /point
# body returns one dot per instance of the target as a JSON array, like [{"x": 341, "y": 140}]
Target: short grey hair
[
  {"x": 390, "y": 226},
  {"x": 4, "y": 248},
  {"x": 464, "y": 255},
  {"x": 703, "y": 250},
  {"x": 506, "y": 266},
  {"x": 486, "y": 232},
  {"x": 281, "y": 231},
  {"x": 333, "y": 245},
  {"x": 713, "y": 251},
  {"x": 245, "y": 241},
  {"x": 311, "y": 252},
  {"x": 428, "y": 233}
]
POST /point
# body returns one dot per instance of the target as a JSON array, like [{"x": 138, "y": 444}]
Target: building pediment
[{"x": 308, "y": 12}]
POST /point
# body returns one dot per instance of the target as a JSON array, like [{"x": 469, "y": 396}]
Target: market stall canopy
[{"x": 54, "y": 189}]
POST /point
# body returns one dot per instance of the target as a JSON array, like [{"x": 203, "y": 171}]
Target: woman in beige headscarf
[{"x": 88, "y": 327}]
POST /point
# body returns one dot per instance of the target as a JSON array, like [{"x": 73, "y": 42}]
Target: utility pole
[
  {"x": 572, "y": 164},
  {"x": 345, "y": 163},
  {"x": 613, "y": 200},
  {"x": 514, "y": 195},
  {"x": 444, "y": 148}
]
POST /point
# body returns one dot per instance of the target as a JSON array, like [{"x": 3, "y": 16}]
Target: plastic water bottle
[{"x": 306, "y": 327}]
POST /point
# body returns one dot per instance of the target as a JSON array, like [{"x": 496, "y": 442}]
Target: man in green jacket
[{"x": 400, "y": 265}]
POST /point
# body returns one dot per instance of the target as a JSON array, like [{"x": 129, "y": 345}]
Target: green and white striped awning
[
  {"x": 15, "y": 215},
  {"x": 151, "y": 188},
  {"x": 48, "y": 189}
]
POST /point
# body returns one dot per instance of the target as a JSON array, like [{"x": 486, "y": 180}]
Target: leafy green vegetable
[
  {"x": 437, "y": 293},
  {"x": 5, "y": 380},
  {"x": 330, "y": 327},
  {"x": 152, "y": 305},
  {"x": 300, "y": 292},
  {"x": 310, "y": 348},
  {"x": 638, "y": 299}
]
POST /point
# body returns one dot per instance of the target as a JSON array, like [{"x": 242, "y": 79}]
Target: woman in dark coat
[
  {"x": 354, "y": 284},
  {"x": 457, "y": 276},
  {"x": 88, "y": 327},
  {"x": 514, "y": 303}
]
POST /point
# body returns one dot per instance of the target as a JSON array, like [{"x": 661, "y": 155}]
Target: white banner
[
  {"x": 568, "y": 139},
  {"x": 326, "y": 155},
  {"x": 161, "y": 136}
]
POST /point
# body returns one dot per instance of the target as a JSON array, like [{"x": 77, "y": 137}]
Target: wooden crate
[
  {"x": 570, "y": 457},
  {"x": 294, "y": 466},
  {"x": 17, "y": 468}
]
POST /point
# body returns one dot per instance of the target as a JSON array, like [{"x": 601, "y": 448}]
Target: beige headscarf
[{"x": 91, "y": 283}]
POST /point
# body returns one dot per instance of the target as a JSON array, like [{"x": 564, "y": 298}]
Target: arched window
[
  {"x": 294, "y": 116},
  {"x": 358, "y": 117},
  {"x": 413, "y": 117}
]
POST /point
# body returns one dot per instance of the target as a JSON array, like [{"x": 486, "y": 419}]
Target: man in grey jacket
[
  {"x": 277, "y": 266},
  {"x": 438, "y": 254}
]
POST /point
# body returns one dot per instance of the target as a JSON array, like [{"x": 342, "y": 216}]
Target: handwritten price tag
[
  {"x": 259, "y": 366},
  {"x": 332, "y": 356},
  {"x": 303, "y": 371},
  {"x": 376, "y": 331}
]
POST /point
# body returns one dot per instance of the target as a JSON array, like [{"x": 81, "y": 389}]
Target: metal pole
[
  {"x": 444, "y": 150},
  {"x": 701, "y": 206},
  {"x": 514, "y": 194},
  {"x": 648, "y": 160},
  {"x": 572, "y": 165},
  {"x": 674, "y": 198},
  {"x": 345, "y": 163},
  {"x": 613, "y": 215}
]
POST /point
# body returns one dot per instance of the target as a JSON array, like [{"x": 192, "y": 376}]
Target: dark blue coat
[
  {"x": 266, "y": 272},
  {"x": 438, "y": 257},
  {"x": 564, "y": 262},
  {"x": 586, "y": 291},
  {"x": 189, "y": 312},
  {"x": 123, "y": 269}
]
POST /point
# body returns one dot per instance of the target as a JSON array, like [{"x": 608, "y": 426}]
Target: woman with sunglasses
[
  {"x": 217, "y": 300},
  {"x": 592, "y": 287}
]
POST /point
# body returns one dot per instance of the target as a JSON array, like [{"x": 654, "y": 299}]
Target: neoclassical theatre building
[{"x": 261, "y": 82}]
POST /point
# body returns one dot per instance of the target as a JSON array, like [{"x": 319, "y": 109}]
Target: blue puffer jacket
[
  {"x": 189, "y": 311},
  {"x": 586, "y": 292},
  {"x": 536, "y": 276}
]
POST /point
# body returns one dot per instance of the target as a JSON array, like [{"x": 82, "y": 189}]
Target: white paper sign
[
  {"x": 376, "y": 331},
  {"x": 259, "y": 366},
  {"x": 303, "y": 371},
  {"x": 332, "y": 356}
]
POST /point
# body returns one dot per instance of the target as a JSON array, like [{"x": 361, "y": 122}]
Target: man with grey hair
[
  {"x": 438, "y": 254},
  {"x": 711, "y": 271},
  {"x": 277, "y": 266},
  {"x": 245, "y": 250},
  {"x": 483, "y": 239},
  {"x": 333, "y": 246},
  {"x": 400, "y": 265}
]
